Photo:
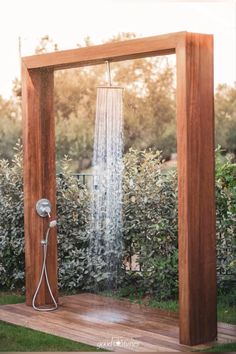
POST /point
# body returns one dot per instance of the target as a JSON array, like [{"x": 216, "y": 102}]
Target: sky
[{"x": 68, "y": 22}]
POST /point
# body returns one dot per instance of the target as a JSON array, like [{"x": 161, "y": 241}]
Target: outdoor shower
[
  {"x": 195, "y": 143},
  {"x": 43, "y": 208}
]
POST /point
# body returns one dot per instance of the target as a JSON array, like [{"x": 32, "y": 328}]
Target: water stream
[{"x": 105, "y": 250}]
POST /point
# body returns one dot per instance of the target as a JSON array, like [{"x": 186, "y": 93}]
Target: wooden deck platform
[{"x": 104, "y": 322}]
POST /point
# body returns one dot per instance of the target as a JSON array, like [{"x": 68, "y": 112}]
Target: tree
[
  {"x": 149, "y": 104},
  {"x": 149, "y": 107},
  {"x": 10, "y": 127},
  {"x": 46, "y": 44},
  {"x": 75, "y": 100},
  {"x": 225, "y": 116}
]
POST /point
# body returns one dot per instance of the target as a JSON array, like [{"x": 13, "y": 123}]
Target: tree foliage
[
  {"x": 149, "y": 107},
  {"x": 10, "y": 127},
  {"x": 225, "y": 115}
]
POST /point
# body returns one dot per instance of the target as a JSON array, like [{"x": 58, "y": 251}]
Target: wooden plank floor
[{"x": 113, "y": 324}]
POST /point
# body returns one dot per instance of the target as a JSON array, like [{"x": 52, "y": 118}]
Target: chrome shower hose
[{"x": 44, "y": 243}]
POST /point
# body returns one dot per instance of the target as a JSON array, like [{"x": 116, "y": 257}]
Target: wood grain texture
[
  {"x": 39, "y": 176},
  {"x": 91, "y": 319},
  {"x": 195, "y": 141},
  {"x": 130, "y": 49}
]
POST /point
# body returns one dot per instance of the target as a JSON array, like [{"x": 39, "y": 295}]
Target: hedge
[{"x": 149, "y": 225}]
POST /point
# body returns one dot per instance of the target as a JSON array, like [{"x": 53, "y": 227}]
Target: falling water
[{"x": 106, "y": 223}]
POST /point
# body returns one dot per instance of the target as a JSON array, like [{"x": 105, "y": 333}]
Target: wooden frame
[{"x": 195, "y": 142}]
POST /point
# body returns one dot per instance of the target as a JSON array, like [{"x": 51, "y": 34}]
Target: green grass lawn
[
  {"x": 226, "y": 303},
  {"x": 10, "y": 298},
  {"x": 226, "y": 310},
  {"x": 20, "y": 339},
  {"x": 222, "y": 348}
]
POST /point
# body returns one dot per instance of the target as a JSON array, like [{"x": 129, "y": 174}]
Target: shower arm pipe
[{"x": 108, "y": 72}]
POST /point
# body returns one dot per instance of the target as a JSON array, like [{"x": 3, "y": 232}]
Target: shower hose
[{"x": 44, "y": 243}]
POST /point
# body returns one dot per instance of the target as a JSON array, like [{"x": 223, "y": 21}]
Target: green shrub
[
  {"x": 149, "y": 229},
  {"x": 72, "y": 211},
  {"x": 150, "y": 220},
  {"x": 226, "y": 221},
  {"x": 73, "y": 214},
  {"x": 11, "y": 223}
]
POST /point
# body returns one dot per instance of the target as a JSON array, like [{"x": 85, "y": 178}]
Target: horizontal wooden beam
[{"x": 114, "y": 51}]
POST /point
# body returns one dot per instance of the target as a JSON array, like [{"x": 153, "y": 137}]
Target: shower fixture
[{"x": 43, "y": 208}]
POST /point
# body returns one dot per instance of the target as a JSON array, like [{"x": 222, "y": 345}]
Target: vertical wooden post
[
  {"x": 39, "y": 177},
  {"x": 195, "y": 141}
]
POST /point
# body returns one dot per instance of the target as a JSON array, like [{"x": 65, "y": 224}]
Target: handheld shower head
[{"x": 53, "y": 223}]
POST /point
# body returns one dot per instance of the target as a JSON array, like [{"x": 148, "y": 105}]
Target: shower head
[
  {"x": 53, "y": 223},
  {"x": 110, "y": 87}
]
